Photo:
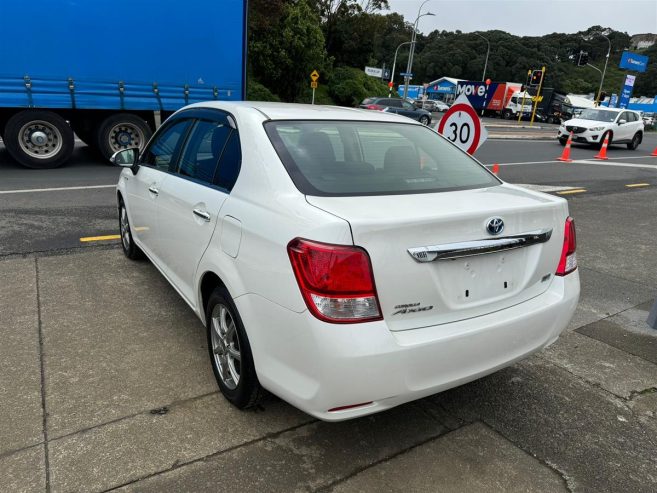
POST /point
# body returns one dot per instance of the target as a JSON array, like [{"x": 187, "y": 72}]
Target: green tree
[{"x": 286, "y": 44}]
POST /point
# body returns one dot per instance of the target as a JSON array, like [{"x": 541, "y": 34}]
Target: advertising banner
[
  {"x": 613, "y": 100},
  {"x": 632, "y": 61},
  {"x": 626, "y": 93}
]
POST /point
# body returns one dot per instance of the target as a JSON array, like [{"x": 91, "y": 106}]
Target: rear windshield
[{"x": 347, "y": 158}]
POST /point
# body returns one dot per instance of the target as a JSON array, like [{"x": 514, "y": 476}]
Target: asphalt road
[{"x": 46, "y": 210}]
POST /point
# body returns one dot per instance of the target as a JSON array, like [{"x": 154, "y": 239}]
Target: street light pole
[
  {"x": 394, "y": 65},
  {"x": 602, "y": 79},
  {"x": 483, "y": 77},
  {"x": 409, "y": 65}
]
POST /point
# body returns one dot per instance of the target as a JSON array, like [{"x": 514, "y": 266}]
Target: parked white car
[
  {"x": 347, "y": 261},
  {"x": 594, "y": 124}
]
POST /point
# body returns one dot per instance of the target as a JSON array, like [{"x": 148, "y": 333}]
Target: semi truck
[
  {"x": 503, "y": 99},
  {"x": 108, "y": 71}
]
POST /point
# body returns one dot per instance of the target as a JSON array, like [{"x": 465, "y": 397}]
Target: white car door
[
  {"x": 190, "y": 202},
  {"x": 143, "y": 188},
  {"x": 623, "y": 131}
]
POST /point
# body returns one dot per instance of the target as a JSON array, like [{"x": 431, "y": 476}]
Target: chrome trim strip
[{"x": 450, "y": 251}]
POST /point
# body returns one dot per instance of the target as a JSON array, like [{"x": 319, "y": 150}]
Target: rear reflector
[
  {"x": 568, "y": 260},
  {"x": 344, "y": 408},
  {"x": 336, "y": 281}
]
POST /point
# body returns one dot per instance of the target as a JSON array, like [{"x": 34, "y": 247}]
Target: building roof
[{"x": 451, "y": 80}]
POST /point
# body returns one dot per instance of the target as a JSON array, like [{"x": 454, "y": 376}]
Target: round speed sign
[{"x": 462, "y": 126}]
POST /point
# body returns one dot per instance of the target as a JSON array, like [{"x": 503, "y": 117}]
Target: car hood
[{"x": 578, "y": 122}]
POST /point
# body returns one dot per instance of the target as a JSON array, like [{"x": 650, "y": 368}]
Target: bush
[
  {"x": 349, "y": 86},
  {"x": 255, "y": 91},
  {"x": 321, "y": 95}
]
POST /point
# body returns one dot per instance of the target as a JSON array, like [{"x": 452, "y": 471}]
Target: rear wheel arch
[{"x": 209, "y": 281}]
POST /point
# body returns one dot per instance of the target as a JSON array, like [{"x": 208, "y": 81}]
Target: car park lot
[{"x": 104, "y": 381}]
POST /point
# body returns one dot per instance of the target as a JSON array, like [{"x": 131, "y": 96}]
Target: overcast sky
[{"x": 532, "y": 17}]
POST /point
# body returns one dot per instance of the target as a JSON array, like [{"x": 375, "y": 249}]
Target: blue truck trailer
[{"x": 104, "y": 70}]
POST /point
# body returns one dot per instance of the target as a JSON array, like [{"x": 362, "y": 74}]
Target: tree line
[{"x": 288, "y": 39}]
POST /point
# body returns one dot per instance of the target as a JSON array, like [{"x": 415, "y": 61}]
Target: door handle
[
  {"x": 153, "y": 190},
  {"x": 202, "y": 214}
]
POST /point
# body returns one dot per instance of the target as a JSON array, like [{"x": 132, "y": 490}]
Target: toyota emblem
[{"x": 495, "y": 226}]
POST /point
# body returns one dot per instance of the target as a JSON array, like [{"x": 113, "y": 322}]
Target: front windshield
[{"x": 598, "y": 115}]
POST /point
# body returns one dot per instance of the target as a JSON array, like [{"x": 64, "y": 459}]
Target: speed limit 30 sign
[{"x": 462, "y": 126}]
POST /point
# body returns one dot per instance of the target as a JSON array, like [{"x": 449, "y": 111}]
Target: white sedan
[{"x": 347, "y": 261}]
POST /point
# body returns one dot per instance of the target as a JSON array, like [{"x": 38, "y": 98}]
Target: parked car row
[{"x": 398, "y": 106}]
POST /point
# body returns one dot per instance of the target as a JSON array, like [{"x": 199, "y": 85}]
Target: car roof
[{"x": 295, "y": 111}]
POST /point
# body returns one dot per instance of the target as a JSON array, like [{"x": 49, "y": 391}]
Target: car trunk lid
[{"x": 418, "y": 292}]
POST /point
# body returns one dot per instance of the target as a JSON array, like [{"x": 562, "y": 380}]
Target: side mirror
[
  {"x": 622, "y": 122},
  {"x": 126, "y": 158}
]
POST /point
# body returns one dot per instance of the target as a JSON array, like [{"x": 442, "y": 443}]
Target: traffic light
[{"x": 536, "y": 77}]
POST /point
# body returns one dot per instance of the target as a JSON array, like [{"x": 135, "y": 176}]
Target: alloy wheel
[{"x": 226, "y": 346}]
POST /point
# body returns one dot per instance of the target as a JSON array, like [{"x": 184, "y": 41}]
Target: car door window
[
  {"x": 394, "y": 103},
  {"x": 230, "y": 163},
  {"x": 163, "y": 150},
  {"x": 407, "y": 106},
  {"x": 203, "y": 149}
]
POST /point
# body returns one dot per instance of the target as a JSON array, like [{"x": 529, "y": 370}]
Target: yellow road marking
[
  {"x": 568, "y": 192},
  {"x": 100, "y": 238},
  {"x": 634, "y": 185}
]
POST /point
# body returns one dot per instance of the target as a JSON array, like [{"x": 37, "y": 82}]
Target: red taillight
[
  {"x": 374, "y": 107},
  {"x": 336, "y": 281},
  {"x": 568, "y": 260}
]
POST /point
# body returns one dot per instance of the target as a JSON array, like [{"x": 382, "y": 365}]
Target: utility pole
[
  {"x": 483, "y": 77},
  {"x": 409, "y": 65},
  {"x": 394, "y": 65}
]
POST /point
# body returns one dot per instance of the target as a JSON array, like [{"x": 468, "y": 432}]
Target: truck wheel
[
  {"x": 122, "y": 131},
  {"x": 39, "y": 139},
  {"x": 507, "y": 114}
]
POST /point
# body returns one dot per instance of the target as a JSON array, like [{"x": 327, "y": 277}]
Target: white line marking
[
  {"x": 623, "y": 165},
  {"x": 59, "y": 189}
]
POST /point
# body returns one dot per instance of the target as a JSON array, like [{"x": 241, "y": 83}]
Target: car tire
[
  {"x": 425, "y": 120},
  {"x": 39, "y": 139},
  {"x": 603, "y": 137},
  {"x": 636, "y": 141},
  {"x": 121, "y": 131},
  {"x": 563, "y": 140},
  {"x": 230, "y": 351},
  {"x": 130, "y": 249}
]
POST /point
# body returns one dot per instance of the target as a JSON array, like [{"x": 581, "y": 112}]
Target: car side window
[
  {"x": 407, "y": 106},
  {"x": 230, "y": 163},
  {"x": 632, "y": 117},
  {"x": 392, "y": 102},
  {"x": 203, "y": 149},
  {"x": 164, "y": 148}
]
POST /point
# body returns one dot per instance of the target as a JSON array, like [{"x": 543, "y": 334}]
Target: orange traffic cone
[
  {"x": 654, "y": 153},
  {"x": 565, "y": 155},
  {"x": 496, "y": 168},
  {"x": 603, "y": 150}
]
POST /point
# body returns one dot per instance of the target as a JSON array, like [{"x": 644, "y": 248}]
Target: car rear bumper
[{"x": 318, "y": 366}]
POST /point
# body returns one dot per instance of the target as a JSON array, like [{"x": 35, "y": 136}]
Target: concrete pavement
[{"x": 105, "y": 383}]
